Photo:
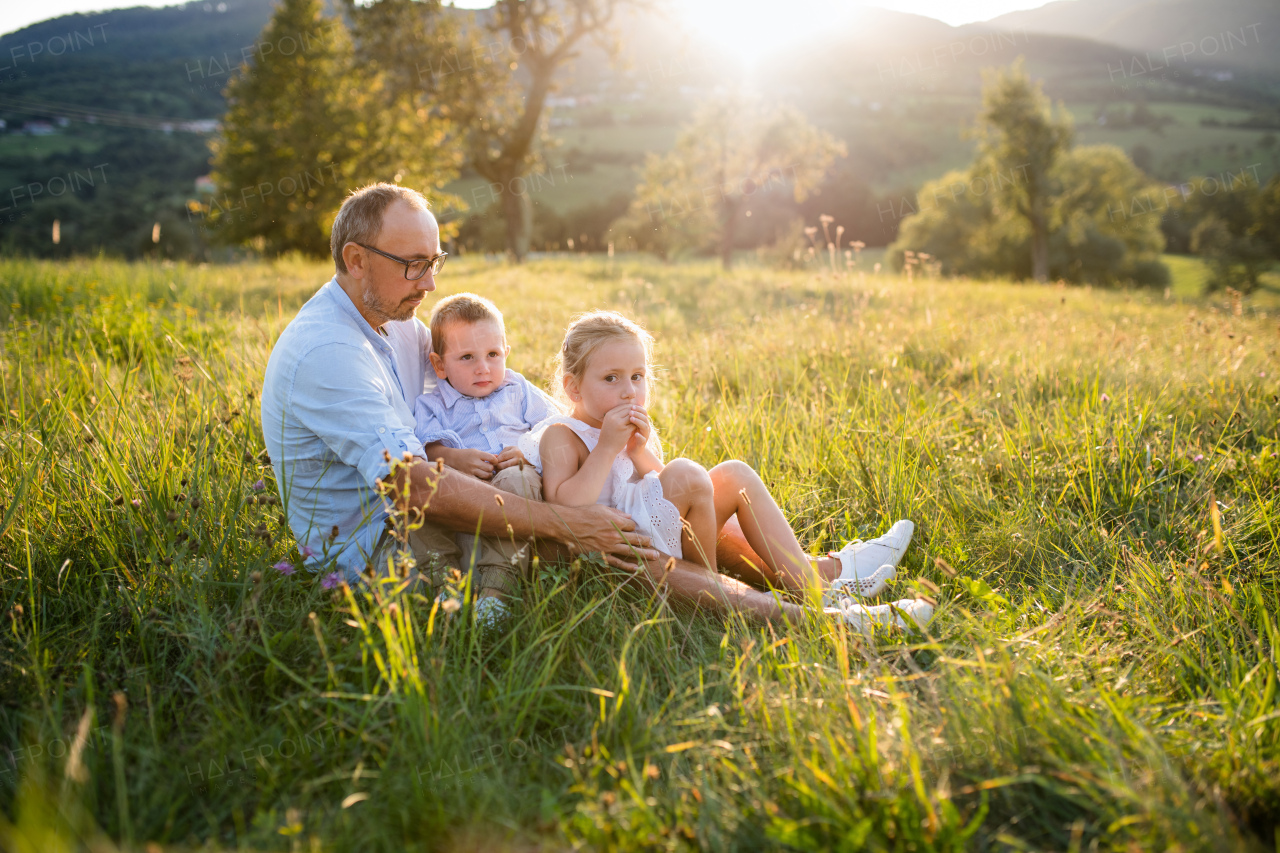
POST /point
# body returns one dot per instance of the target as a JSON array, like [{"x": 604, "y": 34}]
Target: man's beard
[{"x": 385, "y": 312}]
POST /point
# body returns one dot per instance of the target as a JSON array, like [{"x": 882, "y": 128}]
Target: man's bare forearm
[{"x": 463, "y": 503}]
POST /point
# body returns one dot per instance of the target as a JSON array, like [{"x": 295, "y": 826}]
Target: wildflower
[
  {"x": 1199, "y": 457},
  {"x": 331, "y": 581},
  {"x": 450, "y": 605},
  {"x": 306, "y": 552},
  {"x": 1105, "y": 398},
  {"x": 259, "y": 486},
  {"x": 284, "y": 568},
  {"x": 135, "y": 503}
]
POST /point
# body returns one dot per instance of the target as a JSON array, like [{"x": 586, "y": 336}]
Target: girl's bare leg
[
  {"x": 688, "y": 486},
  {"x": 739, "y": 491},
  {"x": 735, "y": 558}
]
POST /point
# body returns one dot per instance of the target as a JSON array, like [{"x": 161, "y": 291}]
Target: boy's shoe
[
  {"x": 491, "y": 612},
  {"x": 866, "y": 560},
  {"x": 906, "y": 612},
  {"x": 449, "y": 604}
]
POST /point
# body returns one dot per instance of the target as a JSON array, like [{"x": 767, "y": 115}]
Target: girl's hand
[
  {"x": 616, "y": 428},
  {"x": 640, "y": 438}
]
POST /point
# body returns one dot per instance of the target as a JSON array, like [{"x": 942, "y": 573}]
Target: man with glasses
[
  {"x": 338, "y": 394},
  {"x": 337, "y": 408}
]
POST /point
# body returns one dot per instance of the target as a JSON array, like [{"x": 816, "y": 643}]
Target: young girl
[{"x": 606, "y": 451}]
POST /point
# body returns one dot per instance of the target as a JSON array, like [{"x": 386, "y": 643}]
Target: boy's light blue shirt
[
  {"x": 336, "y": 396},
  {"x": 489, "y": 423}
]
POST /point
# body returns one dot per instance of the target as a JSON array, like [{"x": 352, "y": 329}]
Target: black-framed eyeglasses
[{"x": 413, "y": 269}]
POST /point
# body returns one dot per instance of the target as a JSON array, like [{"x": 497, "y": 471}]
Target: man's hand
[
  {"x": 477, "y": 463},
  {"x": 508, "y": 457},
  {"x": 612, "y": 533}
]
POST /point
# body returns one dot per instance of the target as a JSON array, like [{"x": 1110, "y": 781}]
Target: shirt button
[{"x": 381, "y": 430}]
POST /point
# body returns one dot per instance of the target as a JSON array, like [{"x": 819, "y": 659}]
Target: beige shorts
[{"x": 500, "y": 561}]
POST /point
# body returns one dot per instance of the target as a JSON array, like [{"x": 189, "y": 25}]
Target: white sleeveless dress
[{"x": 639, "y": 497}]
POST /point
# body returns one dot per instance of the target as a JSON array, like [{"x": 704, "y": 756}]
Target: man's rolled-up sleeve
[{"x": 337, "y": 394}]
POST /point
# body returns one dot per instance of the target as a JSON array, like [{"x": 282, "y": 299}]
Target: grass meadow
[{"x": 1094, "y": 476}]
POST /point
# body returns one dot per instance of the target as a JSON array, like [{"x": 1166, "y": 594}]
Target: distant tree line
[{"x": 1034, "y": 206}]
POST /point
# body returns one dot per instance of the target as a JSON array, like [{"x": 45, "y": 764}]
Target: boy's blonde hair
[
  {"x": 461, "y": 308},
  {"x": 586, "y": 334}
]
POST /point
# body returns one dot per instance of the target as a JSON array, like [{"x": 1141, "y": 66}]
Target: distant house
[
  {"x": 38, "y": 128},
  {"x": 200, "y": 125}
]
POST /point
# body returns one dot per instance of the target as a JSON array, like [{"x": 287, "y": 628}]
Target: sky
[{"x": 709, "y": 15}]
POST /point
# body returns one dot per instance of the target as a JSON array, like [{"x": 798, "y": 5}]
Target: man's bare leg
[{"x": 692, "y": 584}]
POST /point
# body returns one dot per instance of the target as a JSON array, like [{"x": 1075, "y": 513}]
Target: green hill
[
  {"x": 899, "y": 89},
  {"x": 1239, "y": 33}
]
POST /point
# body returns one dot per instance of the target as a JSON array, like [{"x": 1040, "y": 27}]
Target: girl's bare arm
[
  {"x": 645, "y": 461},
  {"x": 570, "y": 475}
]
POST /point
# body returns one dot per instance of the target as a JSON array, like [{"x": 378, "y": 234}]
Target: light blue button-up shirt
[
  {"x": 337, "y": 396},
  {"x": 489, "y": 423}
]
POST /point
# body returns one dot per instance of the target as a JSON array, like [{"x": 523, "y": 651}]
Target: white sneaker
[
  {"x": 491, "y": 612},
  {"x": 843, "y": 589},
  {"x": 865, "y": 567},
  {"x": 896, "y": 614}
]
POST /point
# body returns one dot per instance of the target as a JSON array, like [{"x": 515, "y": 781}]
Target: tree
[
  {"x": 735, "y": 154},
  {"x": 498, "y": 91},
  {"x": 1236, "y": 230},
  {"x": 1102, "y": 222},
  {"x": 305, "y": 124},
  {"x": 1019, "y": 130}
]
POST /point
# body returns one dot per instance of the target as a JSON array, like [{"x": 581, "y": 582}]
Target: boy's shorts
[{"x": 500, "y": 561}]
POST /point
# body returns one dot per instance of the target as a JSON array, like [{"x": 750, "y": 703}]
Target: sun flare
[{"x": 748, "y": 29}]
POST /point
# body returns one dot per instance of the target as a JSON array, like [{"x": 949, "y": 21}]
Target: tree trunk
[
  {"x": 517, "y": 212},
  {"x": 1039, "y": 247},
  {"x": 728, "y": 211}
]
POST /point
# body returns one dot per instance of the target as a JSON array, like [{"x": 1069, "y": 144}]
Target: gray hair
[{"x": 359, "y": 220}]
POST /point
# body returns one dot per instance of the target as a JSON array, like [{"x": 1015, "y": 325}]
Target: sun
[{"x": 749, "y": 29}]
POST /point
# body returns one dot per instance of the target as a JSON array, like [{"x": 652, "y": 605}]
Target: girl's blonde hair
[{"x": 586, "y": 334}]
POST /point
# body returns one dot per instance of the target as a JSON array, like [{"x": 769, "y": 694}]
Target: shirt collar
[
  {"x": 339, "y": 297},
  {"x": 451, "y": 395}
]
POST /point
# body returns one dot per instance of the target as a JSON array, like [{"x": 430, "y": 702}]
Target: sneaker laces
[{"x": 850, "y": 546}]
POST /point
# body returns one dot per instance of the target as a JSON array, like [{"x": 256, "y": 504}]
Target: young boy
[{"x": 472, "y": 420}]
